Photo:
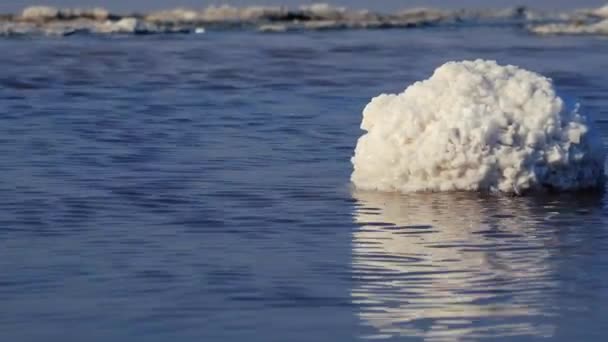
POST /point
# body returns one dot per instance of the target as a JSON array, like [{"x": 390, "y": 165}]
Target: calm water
[{"x": 195, "y": 188}]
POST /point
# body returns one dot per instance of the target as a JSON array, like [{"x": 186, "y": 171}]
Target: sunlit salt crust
[
  {"x": 575, "y": 28},
  {"x": 52, "y": 21},
  {"x": 477, "y": 126},
  {"x": 580, "y": 22}
]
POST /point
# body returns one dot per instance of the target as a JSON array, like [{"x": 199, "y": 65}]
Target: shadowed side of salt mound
[{"x": 477, "y": 126}]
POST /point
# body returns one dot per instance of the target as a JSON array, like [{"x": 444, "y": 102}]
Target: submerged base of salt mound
[{"x": 477, "y": 126}]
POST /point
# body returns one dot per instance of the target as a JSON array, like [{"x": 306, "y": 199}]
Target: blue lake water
[{"x": 196, "y": 188}]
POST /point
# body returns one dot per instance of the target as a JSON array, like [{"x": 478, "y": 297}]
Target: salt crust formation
[
  {"x": 45, "y": 20},
  {"x": 477, "y": 126}
]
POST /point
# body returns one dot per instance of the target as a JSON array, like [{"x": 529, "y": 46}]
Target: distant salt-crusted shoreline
[
  {"x": 50, "y": 21},
  {"x": 587, "y": 22}
]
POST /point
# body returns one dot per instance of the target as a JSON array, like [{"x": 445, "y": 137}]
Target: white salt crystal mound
[
  {"x": 126, "y": 25},
  {"x": 477, "y": 126},
  {"x": 39, "y": 13},
  {"x": 601, "y": 12}
]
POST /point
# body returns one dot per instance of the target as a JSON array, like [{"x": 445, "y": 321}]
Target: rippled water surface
[{"x": 196, "y": 188}]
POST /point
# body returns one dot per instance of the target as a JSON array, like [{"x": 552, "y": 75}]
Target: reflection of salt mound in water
[
  {"x": 475, "y": 125},
  {"x": 459, "y": 266}
]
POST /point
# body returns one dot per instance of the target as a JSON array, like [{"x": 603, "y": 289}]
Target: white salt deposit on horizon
[
  {"x": 477, "y": 126},
  {"x": 52, "y": 21}
]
